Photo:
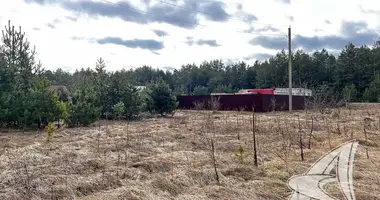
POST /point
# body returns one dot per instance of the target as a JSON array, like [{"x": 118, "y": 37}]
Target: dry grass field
[{"x": 172, "y": 158}]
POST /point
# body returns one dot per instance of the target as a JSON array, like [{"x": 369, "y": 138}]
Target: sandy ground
[{"x": 170, "y": 158}]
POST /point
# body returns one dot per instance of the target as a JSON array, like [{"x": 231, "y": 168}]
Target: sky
[{"x": 71, "y": 34}]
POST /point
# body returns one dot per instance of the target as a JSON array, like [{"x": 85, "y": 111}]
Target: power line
[{"x": 195, "y": 23}]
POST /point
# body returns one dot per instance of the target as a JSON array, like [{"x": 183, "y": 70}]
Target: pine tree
[
  {"x": 83, "y": 109},
  {"x": 350, "y": 93},
  {"x": 161, "y": 98},
  {"x": 372, "y": 93},
  {"x": 118, "y": 109},
  {"x": 200, "y": 90}
]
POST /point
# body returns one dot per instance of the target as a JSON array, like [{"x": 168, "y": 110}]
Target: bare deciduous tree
[
  {"x": 273, "y": 103},
  {"x": 210, "y": 140},
  {"x": 254, "y": 138},
  {"x": 311, "y": 131},
  {"x": 300, "y": 138}
]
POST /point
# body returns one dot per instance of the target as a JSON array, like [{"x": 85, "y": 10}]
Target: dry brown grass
[{"x": 169, "y": 158}]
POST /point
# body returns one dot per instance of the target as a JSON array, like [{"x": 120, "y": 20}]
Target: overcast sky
[{"x": 168, "y": 33}]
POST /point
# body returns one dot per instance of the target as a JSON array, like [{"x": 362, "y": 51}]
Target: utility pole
[{"x": 290, "y": 69}]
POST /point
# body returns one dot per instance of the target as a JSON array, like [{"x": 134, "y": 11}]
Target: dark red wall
[
  {"x": 282, "y": 102},
  {"x": 261, "y": 102}
]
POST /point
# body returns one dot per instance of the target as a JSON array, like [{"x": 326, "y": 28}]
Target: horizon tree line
[{"x": 25, "y": 97}]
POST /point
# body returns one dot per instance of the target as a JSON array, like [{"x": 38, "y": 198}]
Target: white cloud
[{"x": 56, "y": 47}]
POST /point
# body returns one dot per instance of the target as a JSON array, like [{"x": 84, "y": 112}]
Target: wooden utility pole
[{"x": 290, "y": 69}]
